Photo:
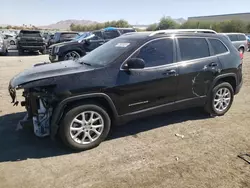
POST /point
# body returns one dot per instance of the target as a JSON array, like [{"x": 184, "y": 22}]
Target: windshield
[
  {"x": 69, "y": 35},
  {"x": 30, "y": 34},
  {"x": 108, "y": 52},
  {"x": 81, "y": 37}
]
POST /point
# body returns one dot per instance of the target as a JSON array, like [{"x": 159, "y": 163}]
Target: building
[{"x": 219, "y": 18}]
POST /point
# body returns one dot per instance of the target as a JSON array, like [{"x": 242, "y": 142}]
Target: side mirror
[
  {"x": 134, "y": 63},
  {"x": 87, "y": 41}
]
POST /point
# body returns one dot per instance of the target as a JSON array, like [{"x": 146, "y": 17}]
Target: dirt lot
[{"x": 143, "y": 153}]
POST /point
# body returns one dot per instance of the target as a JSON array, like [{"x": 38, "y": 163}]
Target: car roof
[
  {"x": 233, "y": 33},
  {"x": 152, "y": 35},
  {"x": 26, "y": 30}
]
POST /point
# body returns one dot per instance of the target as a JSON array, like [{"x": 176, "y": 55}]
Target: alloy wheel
[
  {"x": 222, "y": 99},
  {"x": 86, "y": 127},
  {"x": 72, "y": 56}
]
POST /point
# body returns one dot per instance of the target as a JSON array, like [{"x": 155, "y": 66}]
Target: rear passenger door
[{"x": 197, "y": 67}]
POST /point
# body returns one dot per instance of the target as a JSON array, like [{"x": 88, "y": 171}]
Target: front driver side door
[{"x": 154, "y": 85}]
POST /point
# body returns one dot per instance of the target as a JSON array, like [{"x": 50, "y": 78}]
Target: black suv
[
  {"x": 80, "y": 46},
  {"x": 30, "y": 40},
  {"x": 135, "y": 75}
]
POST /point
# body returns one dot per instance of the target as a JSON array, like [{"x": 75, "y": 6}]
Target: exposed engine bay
[{"x": 39, "y": 105}]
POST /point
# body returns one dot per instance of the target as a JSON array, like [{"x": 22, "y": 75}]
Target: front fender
[{"x": 59, "y": 109}]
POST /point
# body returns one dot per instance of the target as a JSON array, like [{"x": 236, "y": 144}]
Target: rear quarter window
[
  {"x": 242, "y": 37},
  {"x": 233, "y": 37},
  {"x": 218, "y": 46}
]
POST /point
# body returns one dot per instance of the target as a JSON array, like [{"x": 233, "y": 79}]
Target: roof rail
[{"x": 183, "y": 30}]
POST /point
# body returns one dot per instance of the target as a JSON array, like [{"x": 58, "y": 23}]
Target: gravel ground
[{"x": 143, "y": 153}]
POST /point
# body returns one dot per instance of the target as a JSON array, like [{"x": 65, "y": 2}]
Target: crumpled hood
[{"x": 47, "y": 71}]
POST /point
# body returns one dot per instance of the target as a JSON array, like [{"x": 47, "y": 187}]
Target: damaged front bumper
[{"x": 39, "y": 109}]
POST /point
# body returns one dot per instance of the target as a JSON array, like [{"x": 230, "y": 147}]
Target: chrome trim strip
[{"x": 138, "y": 103}]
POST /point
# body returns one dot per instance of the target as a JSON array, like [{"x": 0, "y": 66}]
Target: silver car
[
  {"x": 3, "y": 46},
  {"x": 239, "y": 41}
]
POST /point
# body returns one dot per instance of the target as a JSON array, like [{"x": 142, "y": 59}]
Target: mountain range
[{"x": 65, "y": 24}]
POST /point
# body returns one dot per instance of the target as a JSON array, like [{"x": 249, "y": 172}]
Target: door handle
[
  {"x": 213, "y": 65},
  {"x": 169, "y": 73}
]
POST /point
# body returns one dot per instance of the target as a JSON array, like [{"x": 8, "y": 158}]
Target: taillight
[{"x": 241, "y": 55}]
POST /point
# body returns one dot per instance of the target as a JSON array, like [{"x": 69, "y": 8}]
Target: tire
[
  {"x": 84, "y": 130},
  {"x": 214, "y": 101},
  {"x": 5, "y": 53},
  {"x": 241, "y": 50},
  {"x": 43, "y": 51},
  {"x": 12, "y": 42},
  {"x": 20, "y": 52},
  {"x": 71, "y": 55}
]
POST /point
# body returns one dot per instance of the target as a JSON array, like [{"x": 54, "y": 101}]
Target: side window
[
  {"x": 156, "y": 53},
  {"x": 242, "y": 37},
  {"x": 233, "y": 37},
  {"x": 193, "y": 48},
  {"x": 111, "y": 34},
  {"x": 98, "y": 35},
  {"x": 218, "y": 46}
]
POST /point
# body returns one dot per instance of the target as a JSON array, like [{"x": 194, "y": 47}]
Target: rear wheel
[
  {"x": 20, "y": 52},
  {"x": 72, "y": 55},
  {"x": 12, "y": 42},
  {"x": 85, "y": 127},
  {"x": 241, "y": 50},
  {"x": 220, "y": 100},
  {"x": 6, "y": 52}
]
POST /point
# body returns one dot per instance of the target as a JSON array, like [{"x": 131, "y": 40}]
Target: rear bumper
[{"x": 237, "y": 90}]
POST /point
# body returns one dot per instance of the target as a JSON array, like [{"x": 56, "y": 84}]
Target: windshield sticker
[{"x": 123, "y": 45}]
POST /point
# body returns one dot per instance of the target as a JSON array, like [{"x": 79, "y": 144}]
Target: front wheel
[
  {"x": 85, "y": 127},
  {"x": 72, "y": 55},
  {"x": 43, "y": 51},
  {"x": 220, "y": 100}
]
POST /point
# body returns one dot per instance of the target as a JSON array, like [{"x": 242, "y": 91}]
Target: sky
[{"x": 44, "y": 12}]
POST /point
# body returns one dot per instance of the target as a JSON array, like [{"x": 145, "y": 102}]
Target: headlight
[{"x": 56, "y": 49}]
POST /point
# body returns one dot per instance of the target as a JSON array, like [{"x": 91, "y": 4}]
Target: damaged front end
[{"x": 39, "y": 102}]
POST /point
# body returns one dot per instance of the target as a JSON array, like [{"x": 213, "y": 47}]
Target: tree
[
  {"x": 152, "y": 27},
  {"x": 118, "y": 23},
  {"x": 167, "y": 23}
]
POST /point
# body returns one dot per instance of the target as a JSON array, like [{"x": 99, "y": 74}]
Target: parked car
[
  {"x": 131, "y": 76},
  {"x": 30, "y": 40},
  {"x": 248, "y": 42},
  {"x": 11, "y": 39},
  {"x": 210, "y": 31},
  {"x": 3, "y": 45},
  {"x": 62, "y": 37},
  {"x": 239, "y": 41},
  {"x": 81, "y": 45}
]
